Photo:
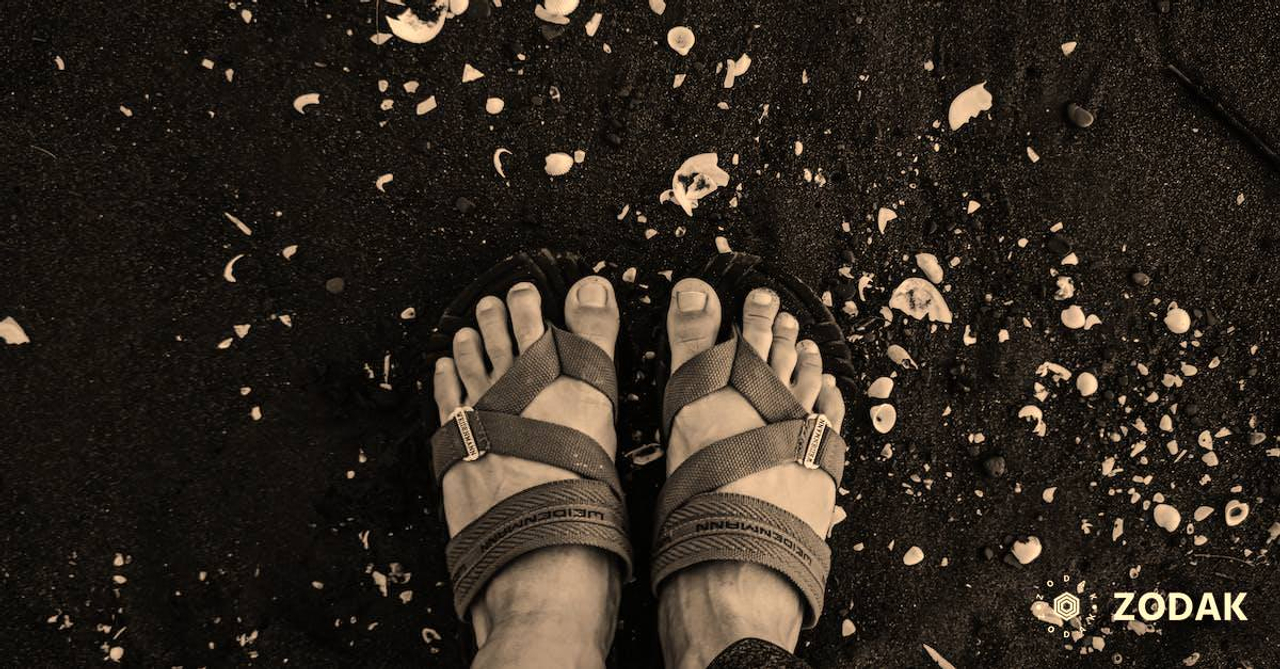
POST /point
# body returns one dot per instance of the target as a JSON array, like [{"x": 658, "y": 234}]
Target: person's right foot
[{"x": 705, "y": 608}]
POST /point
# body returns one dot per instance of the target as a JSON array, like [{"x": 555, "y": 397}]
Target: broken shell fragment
[
  {"x": 918, "y": 298},
  {"x": 968, "y": 104},
  {"x": 680, "y": 39},
  {"x": 12, "y": 333},
  {"x": 900, "y": 357},
  {"x": 497, "y": 161},
  {"x": 557, "y": 164},
  {"x": 228, "y": 272},
  {"x": 1027, "y": 550},
  {"x": 928, "y": 263},
  {"x": 301, "y": 102},
  {"x": 697, "y": 178},
  {"x": 494, "y": 105},
  {"x": 415, "y": 29},
  {"x": 1167, "y": 517},
  {"x": 883, "y": 217},
  {"x": 1087, "y": 384},
  {"x": 1237, "y": 511},
  {"x": 880, "y": 388},
  {"x": 913, "y": 556},
  {"x": 883, "y": 417}
]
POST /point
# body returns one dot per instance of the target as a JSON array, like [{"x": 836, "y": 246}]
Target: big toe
[
  {"x": 591, "y": 310},
  {"x": 693, "y": 319}
]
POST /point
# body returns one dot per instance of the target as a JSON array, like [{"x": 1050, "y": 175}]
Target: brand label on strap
[
  {"x": 461, "y": 416},
  {"x": 816, "y": 426}
]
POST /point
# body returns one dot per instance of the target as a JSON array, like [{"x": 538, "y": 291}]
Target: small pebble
[
  {"x": 1140, "y": 279},
  {"x": 464, "y": 205},
  {"x": 1080, "y": 116},
  {"x": 995, "y": 466},
  {"x": 335, "y": 285}
]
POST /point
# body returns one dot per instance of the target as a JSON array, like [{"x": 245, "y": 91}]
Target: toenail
[
  {"x": 787, "y": 321},
  {"x": 464, "y": 335},
  {"x": 442, "y": 365},
  {"x": 521, "y": 287},
  {"x": 808, "y": 346},
  {"x": 762, "y": 296},
  {"x": 487, "y": 304},
  {"x": 691, "y": 300},
  {"x": 592, "y": 294},
  {"x": 828, "y": 380}
]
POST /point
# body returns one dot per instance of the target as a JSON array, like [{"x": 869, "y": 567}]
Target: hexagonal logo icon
[{"x": 1066, "y": 605}]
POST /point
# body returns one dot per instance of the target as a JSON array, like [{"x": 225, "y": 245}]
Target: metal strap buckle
[
  {"x": 461, "y": 416},
  {"x": 816, "y": 425}
]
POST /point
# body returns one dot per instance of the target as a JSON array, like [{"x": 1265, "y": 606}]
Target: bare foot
[
  {"x": 554, "y": 607},
  {"x": 705, "y": 608}
]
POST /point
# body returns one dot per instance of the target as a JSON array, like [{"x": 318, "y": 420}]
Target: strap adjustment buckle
[
  {"x": 462, "y": 418},
  {"x": 811, "y": 439}
]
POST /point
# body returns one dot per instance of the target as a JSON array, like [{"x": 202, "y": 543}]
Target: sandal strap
[
  {"x": 810, "y": 442},
  {"x": 555, "y": 354},
  {"x": 732, "y": 363},
  {"x": 739, "y": 528},
  {"x": 471, "y": 434},
  {"x": 578, "y": 512}
]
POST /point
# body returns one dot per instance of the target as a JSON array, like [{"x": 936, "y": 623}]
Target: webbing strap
[
  {"x": 556, "y": 353},
  {"x": 576, "y": 512},
  {"x": 735, "y": 364},
  {"x": 727, "y": 526},
  {"x": 809, "y": 442},
  {"x": 521, "y": 437}
]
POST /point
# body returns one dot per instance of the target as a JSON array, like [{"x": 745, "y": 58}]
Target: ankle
[
  {"x": 706, "y": 608},
  {"x": 555, "y": 607}
]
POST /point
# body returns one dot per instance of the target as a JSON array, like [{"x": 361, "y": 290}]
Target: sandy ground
[{"x": 142, "y": 506}]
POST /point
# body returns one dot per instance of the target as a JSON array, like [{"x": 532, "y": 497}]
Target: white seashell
[
  {"x": 497, "y": 161},
  {"x": 1027, "y": 550},
  {"x": 884, "y": 216},
  {"x": 697, "y": 177},
  {"x": 881, "y": 388},
  {"x": 1237, "y": 511},
  {"x": 928, "y": 263},
  {"x": 1087, "y": 384},
  {"x": 305, "y": 100},
  {"x": 412, "y": 28},
  {"x": 1177, "y": 320},
  {"x": 680, "y": 39},
  {"x": 1167, "y": 517},
  {"x": 494, "y": 105},
  {"x": 883, "y": 417},
  {"x": 913, "y": 556},
  {"x": 558, "y": 164},
  {"x": 919, "y": 298},
  {"x": 228, "y": 272},
  {"x": 12, "y": 333},
  {"x": 968, "y": 104}
]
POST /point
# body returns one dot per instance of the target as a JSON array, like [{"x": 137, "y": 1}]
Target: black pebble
[
  {"x": 335, "y": 285},
  {"x": 994, "y": 466},
  {"x": 1140, "y": 279},
  {"x": 465, "y": 206}
]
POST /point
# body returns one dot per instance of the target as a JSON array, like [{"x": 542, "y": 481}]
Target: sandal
[
  {"x": 695, "y": 524},
  {"x": 585, "y": 512}
]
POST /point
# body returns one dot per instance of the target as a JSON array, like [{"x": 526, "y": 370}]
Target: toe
[
  {"x": 591, "y": 310},
  {"x": 491, "y": 314},
  {"x": 782, "y": 355},
  {"x": 525, "y": 304},
  {"x": 758, "y": 312},
  {"x": 446, "y": 388},
  {"x": 830, "y": 401},
  {"x": 693, "y": 319},
  {"x": 808, "y": 375},
  {"x": 469, "y": 360}
]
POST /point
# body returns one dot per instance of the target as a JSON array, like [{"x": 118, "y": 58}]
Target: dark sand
[{"x": 124, "y": 429}]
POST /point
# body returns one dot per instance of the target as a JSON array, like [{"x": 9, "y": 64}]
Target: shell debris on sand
[
  {"x": 913, "y": 556},
  {"x": 696, "y": 178},
  {"x": 12, "y": 333},
  {"x": 968, "y": 104},
  {"x": 919, "y": 299},
  {"x": 557, "y": 164}
]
